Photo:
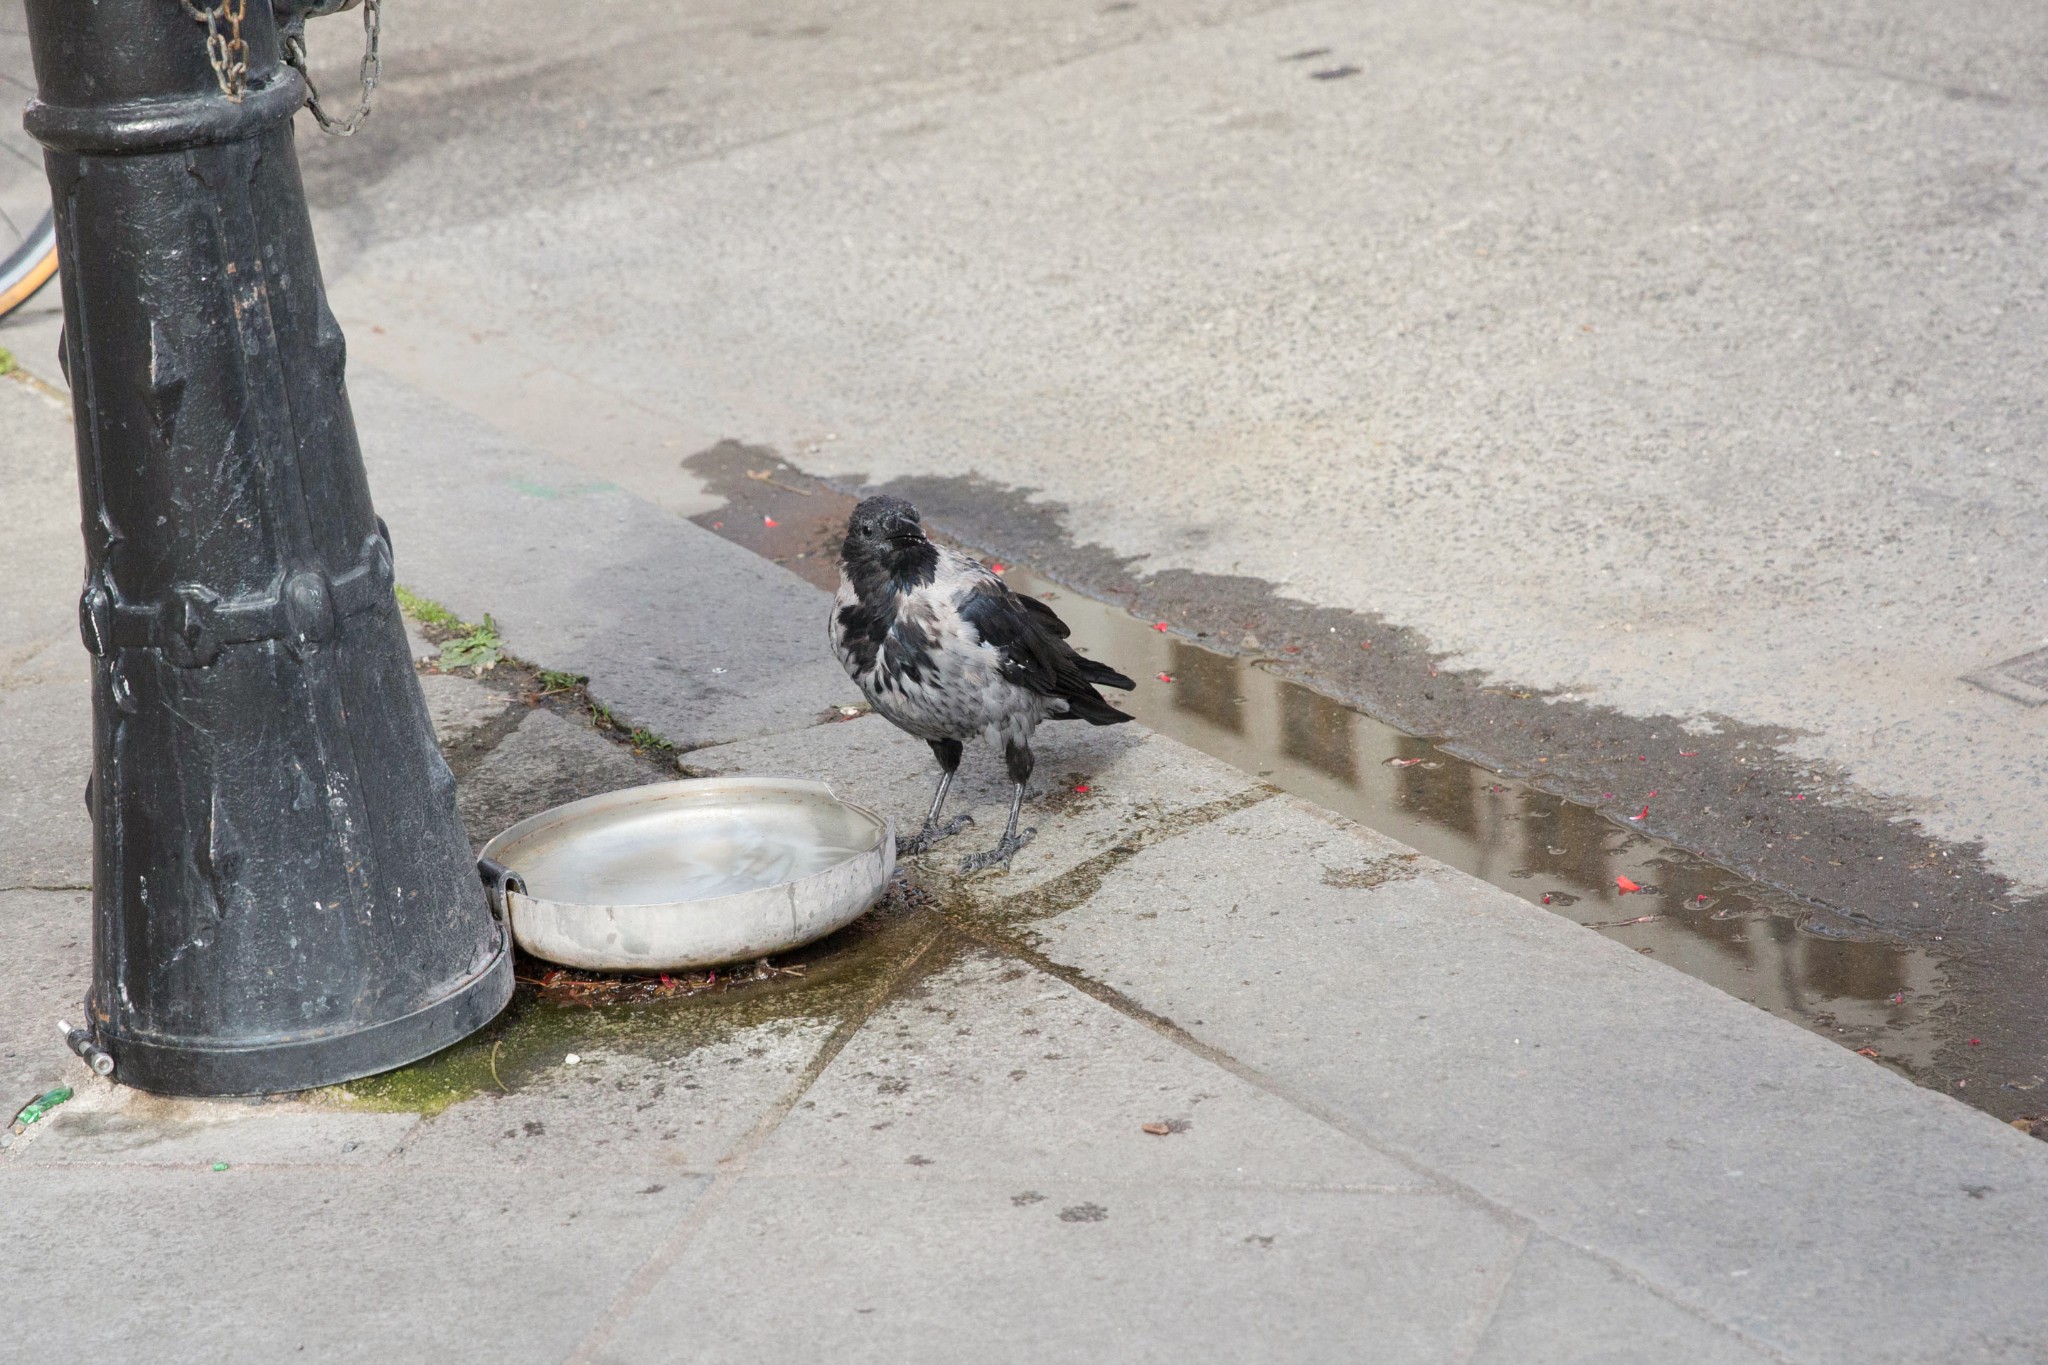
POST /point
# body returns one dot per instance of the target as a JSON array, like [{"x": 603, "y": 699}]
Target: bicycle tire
[{"x": 29, "y": 266}]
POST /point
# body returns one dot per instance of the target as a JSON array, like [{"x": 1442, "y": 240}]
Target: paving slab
[
  {"x": 970, "y": 1177},
  {"x": 46, "y": 747},
  {"x": 679, "y": 631},
  {"x": 910, "y": 1265},
  {"x": 545, "y": 761},
  {"x": 1564, "y": 1307},
  {"x": 45, "y": 552},
  {"x": 45, "y": 967},
  {"x": 459, "y": 706},
  {"x": 991, "y": 1070},
  {"x": 1723, "y": 1156},
  {"x": 262, "y": 1264},
  {"x": 681, "y": 1109}
]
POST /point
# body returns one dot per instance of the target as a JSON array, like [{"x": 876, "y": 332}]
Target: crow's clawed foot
[
  {"x": 929, "y": 835},
  {"x": 1000, "y": 855}
]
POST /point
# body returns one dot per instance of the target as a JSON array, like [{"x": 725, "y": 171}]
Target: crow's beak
[{"x": 902, "y": 528}]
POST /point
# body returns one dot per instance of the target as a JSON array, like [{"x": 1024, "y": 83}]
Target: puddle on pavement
[
  {"x": 1763, "y": 946},
  {"x": 1756, "y": 944}
]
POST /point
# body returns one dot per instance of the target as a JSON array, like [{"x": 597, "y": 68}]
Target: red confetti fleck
[
  {"x": 770, "y": 521},
  {"x": 1653, "y": 795},
  {"x": 1402, "y": 762},
  {"x": 1626, "y": 885},
  {"x": 1165, "y": 677},
  {"x": 718, "y": 526},
  {"x": 1082, "y": 788},
  {"x": 1643, "y": 814},
  {"x": 1546, "y": 898},
  {"x": 1866, "y": 1052},
  {"x": 1642, "y": 758},
  {"x": 1800, "y": 797},
  {"x": 1976, "y": 1042},
  {"x": 1292, "y": 649},
  {"x": 997, "y": 567},
  {"x": 1688, "y": 753},
  {"x": 665, "y": 981},
  {"x": 1606, "y": 796},
  {"x": 1159, "y": 625},
  {"x": 1899, "y": 999}
]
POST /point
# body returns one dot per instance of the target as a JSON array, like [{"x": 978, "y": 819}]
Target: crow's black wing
[
  {"x": 1047, "y": 617},
  {"x": 1101, "y": 674},
  {"x": 1036, "y": 657},
  {"x": 1030, "y": 652}
]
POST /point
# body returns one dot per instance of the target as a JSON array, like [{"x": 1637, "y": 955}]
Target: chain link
[
  {"x": 367, "y": 73},
  {"x": 227, "y": 51}
]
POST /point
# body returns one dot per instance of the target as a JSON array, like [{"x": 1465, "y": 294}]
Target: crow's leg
[
  {"x": 947, "y": 751},
  {"x": 1016, "y": 757}
]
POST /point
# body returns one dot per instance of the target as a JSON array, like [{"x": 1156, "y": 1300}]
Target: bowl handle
[{"x": 499, "y": 882}]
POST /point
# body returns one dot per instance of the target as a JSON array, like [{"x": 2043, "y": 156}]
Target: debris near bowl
[
  {"x": 35, "y": 1109},
  {"x": 569, "y": 984}
]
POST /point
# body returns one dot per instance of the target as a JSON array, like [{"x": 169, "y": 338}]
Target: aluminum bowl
[{"x": 691, "y": 873}]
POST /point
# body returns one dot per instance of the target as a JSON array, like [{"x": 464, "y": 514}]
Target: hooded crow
[{"x": 943, "y": 649}]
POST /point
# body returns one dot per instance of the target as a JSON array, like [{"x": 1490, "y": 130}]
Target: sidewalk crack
[
  {"x": 733, "y": 1166},
  {"x": 1491, "y": 1306},
  {"x": 996, "y": 940}
]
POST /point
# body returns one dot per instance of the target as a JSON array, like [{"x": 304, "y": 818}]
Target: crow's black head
[
  {"x": 886, "y": 535},
  {"x": 883, "y": 518}
]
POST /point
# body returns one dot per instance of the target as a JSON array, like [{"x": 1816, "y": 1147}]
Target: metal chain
[
  {"x": 367, "y": 73},
  {"x": 227, "y": 51}
]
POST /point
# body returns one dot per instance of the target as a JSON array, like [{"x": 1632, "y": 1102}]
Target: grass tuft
[
  {"x": 477, "y": 647},
  {"x": 462, "y": 644},
  {"x": 426, "y": 610},
  {"x": 481, "y": 648},
  {"x": 649, "y": 742}
]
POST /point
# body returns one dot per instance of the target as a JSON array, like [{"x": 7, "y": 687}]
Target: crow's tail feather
[
  {"x": 1102, "y": 675},
  {"x": 1091, "y": 708}
]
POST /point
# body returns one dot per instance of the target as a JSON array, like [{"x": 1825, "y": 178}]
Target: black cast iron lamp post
[{"x": 283, "y": 895}]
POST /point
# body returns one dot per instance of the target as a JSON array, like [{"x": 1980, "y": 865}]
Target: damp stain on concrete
[
  {"x": 1078, "y": 884},
  {"x": 838, "y": 977},
  {"x": 1695, "y": 840},
  {"x": 1378, "y": 872}
]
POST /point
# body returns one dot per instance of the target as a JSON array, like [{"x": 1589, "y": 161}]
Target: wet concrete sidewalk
[{"x": 1407, "y": 1116}]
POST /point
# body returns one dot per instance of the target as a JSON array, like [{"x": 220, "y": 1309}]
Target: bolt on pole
[{"x": 283, "y": 894}]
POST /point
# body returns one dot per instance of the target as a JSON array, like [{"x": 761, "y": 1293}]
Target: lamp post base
[{"x": 199, "y": 1067}]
